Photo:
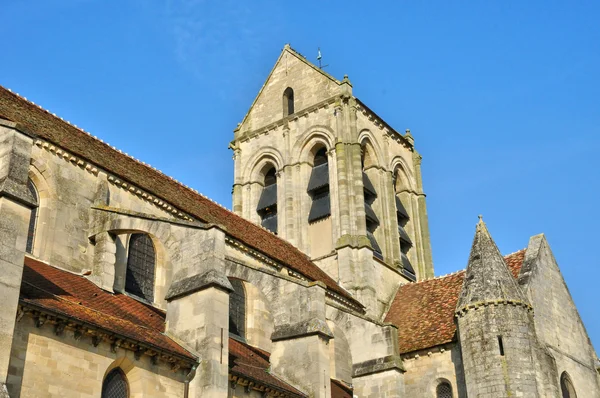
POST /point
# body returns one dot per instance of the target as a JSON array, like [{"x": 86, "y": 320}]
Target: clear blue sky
[{"x": 502, "y": 98}]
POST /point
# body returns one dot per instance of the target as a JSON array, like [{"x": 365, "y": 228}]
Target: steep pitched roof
[
  {"x": 41, "y": 123},
  {"x": 487, "y": 276},
  {"x": 250, "y": 362},
  {"x": 73, "y": 296},
  {"x": 424, "y": 311}
]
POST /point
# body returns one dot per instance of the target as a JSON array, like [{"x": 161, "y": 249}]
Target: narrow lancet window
[
  {"x": 318, "y": 187},
  {"x": 141, "y": 261},
  {"x": 32, "y": 218},
  {"x": 267, "y": 204},
  {"x": 566, "y": 386},
  {"x": 115, "y": 385},
  {"x": 237, "y": 309},
  {"x": 370, "y": 194},
  {"x": 405, "y": 241},
  {"x": 288, "y": 101}
]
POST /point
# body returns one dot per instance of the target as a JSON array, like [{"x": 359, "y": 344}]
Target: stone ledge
[
  {"x": 17, "y": 192},
  {"x": 382, "y": 364},
  {"x": 302, "y": 329},
  {"x": 195, "y": 283}
]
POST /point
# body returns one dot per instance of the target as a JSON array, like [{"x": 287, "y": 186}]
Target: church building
[{"x": 118, "y": 281}]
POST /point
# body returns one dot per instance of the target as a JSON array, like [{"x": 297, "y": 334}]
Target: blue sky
[{"x": 502, "y": 98}]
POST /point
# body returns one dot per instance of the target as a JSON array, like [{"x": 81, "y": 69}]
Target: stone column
[
  {"x": 198, "y": 313},
  {"x": 425, "y": 262},
  {"x": 15, "y": 210}
]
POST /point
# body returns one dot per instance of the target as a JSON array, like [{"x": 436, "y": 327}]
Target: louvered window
[
  {"x": 371, "y": 218},
  {"x": 115, "y": 385},
  {"x": 32, "y": 218},
  {"x": 405, "y": 241},
  {"x": 237, "y": 309},
  {"x": 318, "y": 187},
  {"x": 267, "y": 204},
  {"x": 141, "y": 262},
  {"x": 444, "y": 390}
]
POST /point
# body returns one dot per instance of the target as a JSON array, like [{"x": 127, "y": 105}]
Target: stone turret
[{"x": 495, "y": 326}]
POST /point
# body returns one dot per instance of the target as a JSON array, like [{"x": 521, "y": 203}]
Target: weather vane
[{"x": 319, "y": 56}]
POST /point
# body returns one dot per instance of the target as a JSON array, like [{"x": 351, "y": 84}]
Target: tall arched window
[
  {"x": 566, "y": 386},
  {"x": 371, "y": 218},
  {"x": 443, "y": 390},
  {"x": 115, "y": 385},
  {"x": 288, "y": 101},
  {"x": 237, "y": 309},
  {"x": 141, "y": 261},
  {"x": 318, "y": 187},
  {"x": 32, "y": 218},
  {"x": 405, "y": 242},
  {"x": 267, "y": 204}
]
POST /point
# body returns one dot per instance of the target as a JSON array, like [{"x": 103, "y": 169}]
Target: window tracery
[
  {"x": 444, "y": 390},
  {"x": 237, "y": 309},
  {"x": 115, "y": 385}
]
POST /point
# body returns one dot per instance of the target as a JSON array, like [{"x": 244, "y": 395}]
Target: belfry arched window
[
  {"x": 237, "y": 309},
  {"x": 405, "y": 242},
  {"x": 318, "y": 187},
  {"x": 443, "y": 390},
  {"x": 32, "y": 217},
  {"x": 115, "y": 385},
  {"x": 566, "y": 386},
  {"x": 267, "y": 204},
  {"x": 370, "y": 195},
  {"x": 288, "y": 101},
  {"x": 141, "y": 261}
]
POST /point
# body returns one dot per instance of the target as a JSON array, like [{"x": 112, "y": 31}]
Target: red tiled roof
[
  {"x": 339, "y": 389},
  {"x": 43, "y": 124},
  {"x": 63, "y": 293},
  {"x": 424, "y": 311},
  {"x": 253, "y": 363}
]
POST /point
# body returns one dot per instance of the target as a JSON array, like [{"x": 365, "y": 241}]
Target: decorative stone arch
[
  {"x": 367, "y": 140},
  {"x": 120, "y": 230},
  {"x": 259, "y": 318},
  {"x": 340, "y": 354},
  {"x": 567, "y": 388},
  {"x": 45, "y": 214},
  {"x": 403, "y": 174},
  {"x": 314, "y": 136},
  {"x": 259, "y": 163},
  {"x": 438, "y": 391}
]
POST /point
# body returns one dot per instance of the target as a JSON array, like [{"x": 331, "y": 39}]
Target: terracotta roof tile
[
  {"x": 73, "y": 296},
  {"x": 43, "y": 124},
  {"x": 253, "y": 363},
  {"x": 339, "y": 389},
  {"x": 424, "y": 311}
]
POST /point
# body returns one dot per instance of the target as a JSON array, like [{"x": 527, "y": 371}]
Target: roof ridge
[
  {"x": 111, "y": 146},
  {"x": 459, "y": 271}
]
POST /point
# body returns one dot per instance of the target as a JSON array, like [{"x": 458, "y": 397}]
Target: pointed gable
[
  {"x": 487, "y": 276},
  {"x": 310, "y": 86}
]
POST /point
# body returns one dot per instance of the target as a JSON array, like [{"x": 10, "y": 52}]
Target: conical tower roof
[{"x": 488, "y": 278}]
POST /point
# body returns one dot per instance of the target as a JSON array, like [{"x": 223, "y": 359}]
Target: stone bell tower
[{"x": 316, "y": 166}]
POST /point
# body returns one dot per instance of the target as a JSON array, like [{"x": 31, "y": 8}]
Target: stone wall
[
  {"x": 428, "y": 368},
  {"x": 559, "y": 328},
  {"x": 45, "y": 365}
]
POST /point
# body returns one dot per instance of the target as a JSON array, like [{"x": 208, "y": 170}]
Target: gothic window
[
  {"x": 443, "y": 390},
  {"x": 405, "y": 242},
  {"x": 237, "y": 309},
  {"x": 267, "y": 204},
  {"x": 318, "y": 187},
  {"x": 566, "y": 386},
  {"x": 371, "y": 218},
  {"x": 32, "y": 218},
  {"x": 288, "y": 101},
  {"x": 115, "y": 385},
  {"x": 141, "y": 261}
]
